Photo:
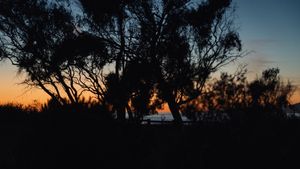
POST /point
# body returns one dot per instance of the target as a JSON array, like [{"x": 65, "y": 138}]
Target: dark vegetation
[
  {"x": 87, "y": 135},
  {"x": 65, "y": 137},
  {"x": 132, "y": 57},
  {"x": 161, "y": 51}
]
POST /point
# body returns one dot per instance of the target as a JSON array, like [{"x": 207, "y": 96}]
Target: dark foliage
[
  {"x": 233, "y": 97},
  {"x": 71, "y": 138},
  {"x": 67, "y": 50},
  {"x": 161, "y": 51}
]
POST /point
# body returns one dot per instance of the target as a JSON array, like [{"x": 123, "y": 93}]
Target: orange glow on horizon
[
  {"x": 12, "y": 92},
  {"x": 21, "y": 95},
  {"x": 296, "y": 97}
]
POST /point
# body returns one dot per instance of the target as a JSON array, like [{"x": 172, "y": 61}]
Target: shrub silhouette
[{"x": 264, "y": 97}]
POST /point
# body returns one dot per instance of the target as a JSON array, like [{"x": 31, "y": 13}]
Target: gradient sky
[{"x": 270, "y": 29}]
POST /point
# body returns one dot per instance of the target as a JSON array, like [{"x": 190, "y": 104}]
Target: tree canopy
[{"x": 162, "y": 51}]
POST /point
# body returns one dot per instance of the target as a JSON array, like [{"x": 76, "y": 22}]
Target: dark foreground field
[{"x": 88, "y": 141}]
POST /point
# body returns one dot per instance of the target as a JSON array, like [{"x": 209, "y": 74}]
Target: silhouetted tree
[
  {"x": 41, "y": 39},
  {"x": 185, "y": 43},
  {"x": 175, "y": 44},
  {"x": 231, "y": 91},
  {"x": 227, "y": 95},
  {"x": 233, "y": 95},
  {"x": 269, "y": 93},
  {"x": 87, "y": 56},
  {"x": 108, "y": 19},
  {"x": 138, "y": 79},
  {"x": 133, "y": 91},
  {"x": 31, "y": 32}
]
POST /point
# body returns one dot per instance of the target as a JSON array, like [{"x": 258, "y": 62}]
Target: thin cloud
[
  {"x": 257, "y": 63},
  {"x": 261, "y": 42}
]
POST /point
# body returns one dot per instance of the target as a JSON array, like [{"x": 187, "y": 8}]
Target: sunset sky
[{"x": 270, "y": 29}]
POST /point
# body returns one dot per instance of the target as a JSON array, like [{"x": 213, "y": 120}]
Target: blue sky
[{"x": 271, "y": 29}]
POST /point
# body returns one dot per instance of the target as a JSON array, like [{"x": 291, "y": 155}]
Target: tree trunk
[
  {"x": 174, "y": 110},
  {"x": 121, "y": 114}
]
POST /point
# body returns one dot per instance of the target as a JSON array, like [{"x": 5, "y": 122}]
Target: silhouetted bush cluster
[{"x": 232, "y": 96}]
